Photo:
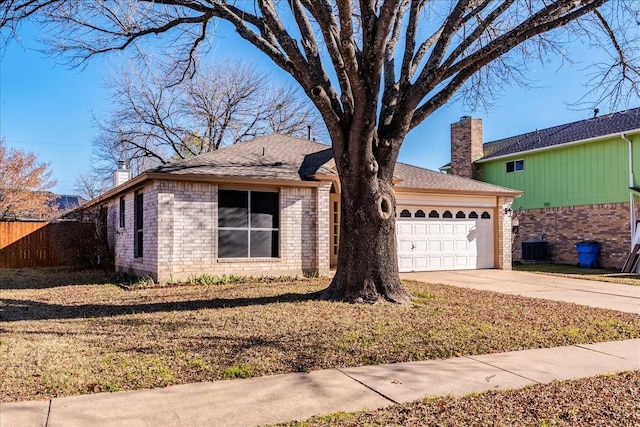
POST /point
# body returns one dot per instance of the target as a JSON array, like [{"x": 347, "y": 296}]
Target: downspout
[{"x": 632, "y": 210}]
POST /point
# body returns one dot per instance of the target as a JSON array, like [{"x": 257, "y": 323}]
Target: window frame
[
  {"x": 122, "y": 214},
  {"x": 514, "y": 166},
  {"x": 138, "y": 224},
  {"x": 249, "y": 228}
]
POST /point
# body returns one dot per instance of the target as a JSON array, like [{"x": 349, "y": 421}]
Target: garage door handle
[{"x": 413, "y": 246}]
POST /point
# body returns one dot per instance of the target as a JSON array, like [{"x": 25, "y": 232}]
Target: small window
[
  {"x": 138, "y": 225},
  {"x": 447, "y": 214},
  {"x": 515, "y": 166},
  {"x": 420, "y": 214},
  {"x": 122, "y": 217},
  {"x": 473, "y": 215},
  {"x": 460, "y": 215},
  {"x": 405, "y": 214},
  {"x": 434, "y": 214},
  {"x": 485, "y": 215}
]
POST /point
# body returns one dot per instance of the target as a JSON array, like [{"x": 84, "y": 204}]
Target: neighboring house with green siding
[{"x": 575, "y": 179}]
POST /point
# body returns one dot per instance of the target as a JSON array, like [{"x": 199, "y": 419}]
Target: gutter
[{"x": 632, "y": 193}]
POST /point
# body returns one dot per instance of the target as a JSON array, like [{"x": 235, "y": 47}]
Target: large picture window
[
  {"x": 138, "y": 224},
  {"x": 248, "y": 224}
]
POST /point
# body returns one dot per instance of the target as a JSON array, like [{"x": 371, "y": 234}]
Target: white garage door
[{"x": 444, "y": 239}]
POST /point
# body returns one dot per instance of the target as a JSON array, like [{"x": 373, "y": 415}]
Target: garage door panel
[
  {"x": 448, "y": 245},
  {"x": 461, "y": 246},
  {"x": 420, "y": 228},
  {"x": 447, "y": 228},
  {"x": 448, "y": 262},
  {"x": 421, "y": 246},
  {"x": 444, "y": 244},
  {"x": 420, "y": 263},
  {"x": 405, "y": 264},
  {"x": 460, "y": 229},
  {"x": 435, "y": 263},
  {"x": 404, "y": 228},
  {"x": 434, "y": 245},
  {"x": 434, "y": 228}
]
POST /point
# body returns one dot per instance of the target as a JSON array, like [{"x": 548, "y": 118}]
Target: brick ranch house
[
  {"x": 271, "y": 206},
  {"x": 578, "y": 181}
]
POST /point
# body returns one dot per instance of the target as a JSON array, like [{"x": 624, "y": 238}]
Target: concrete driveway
[{"x": 584, "y": 292}]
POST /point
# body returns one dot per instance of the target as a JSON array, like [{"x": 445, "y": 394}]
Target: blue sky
[{"x": 47, "y": 108}]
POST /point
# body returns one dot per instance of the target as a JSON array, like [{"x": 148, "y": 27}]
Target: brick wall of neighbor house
[
  {"x": 187, "y": 237},
  {"x": 504, "y": 253},
  {"x": 466, "y": 146},
  {"x": 563, "y": 227}
]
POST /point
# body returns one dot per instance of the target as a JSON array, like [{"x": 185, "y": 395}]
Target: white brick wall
[
  {"x": 180, "y": 233},
  {"x": 122, "y": 238}
]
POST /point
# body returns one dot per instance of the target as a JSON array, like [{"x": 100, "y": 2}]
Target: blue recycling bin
[{"x": 588, "y": 253}]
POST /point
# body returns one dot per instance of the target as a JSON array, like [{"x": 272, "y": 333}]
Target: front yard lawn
[
  {"x": 576, "y": 272},
  {"x": 61, "y": 335}
]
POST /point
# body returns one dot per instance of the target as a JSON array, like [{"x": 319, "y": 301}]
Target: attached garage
[
  {"x": 431, "y": 238},
  {"x": 444, "y": 222}
]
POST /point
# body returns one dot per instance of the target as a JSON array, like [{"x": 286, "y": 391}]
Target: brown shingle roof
[
  {"x": 420, "y": 178},
  {"x": 268, "y": 157},
  {"x": 282, "y": 157}
]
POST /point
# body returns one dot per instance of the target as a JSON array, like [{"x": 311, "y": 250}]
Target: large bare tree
[
  {"x": 375, "y": 69},
  {"x": 156, "y": 120}
]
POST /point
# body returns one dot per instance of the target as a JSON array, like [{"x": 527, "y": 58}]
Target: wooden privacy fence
[{"x": 42, "y": 244}]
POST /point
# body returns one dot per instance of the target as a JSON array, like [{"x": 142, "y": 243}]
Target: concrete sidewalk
[
  {"x": 584, "y": 292},
  {"x": 280, "y": 398}
]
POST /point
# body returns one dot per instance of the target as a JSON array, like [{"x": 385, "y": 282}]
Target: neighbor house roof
[{"x": 609, "y": 124}]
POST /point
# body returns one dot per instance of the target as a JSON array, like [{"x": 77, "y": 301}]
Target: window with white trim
[
  {"x": 515, "y": 166},
  {"x": 248, "y": 224}
]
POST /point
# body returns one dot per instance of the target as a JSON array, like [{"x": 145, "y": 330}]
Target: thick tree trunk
[{"x": 367, "y": 270}]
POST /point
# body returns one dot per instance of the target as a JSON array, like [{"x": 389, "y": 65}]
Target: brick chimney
[{"x": 466, "y": 146}]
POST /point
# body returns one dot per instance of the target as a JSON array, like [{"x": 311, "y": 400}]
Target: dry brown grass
[
  {"x": 599, "y": 401},
  {"x": 59, "y": 340}
]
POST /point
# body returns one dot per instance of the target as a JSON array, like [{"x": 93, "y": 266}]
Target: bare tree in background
[
  {"x": 375, "y": 69},
  {"x": 155, "y": 120},
  {"x": 25, "y": 186},
  {"x": 90, "y": 185}
]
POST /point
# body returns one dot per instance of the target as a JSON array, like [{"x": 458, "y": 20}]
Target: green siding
[{"x": 582, "y": 174}]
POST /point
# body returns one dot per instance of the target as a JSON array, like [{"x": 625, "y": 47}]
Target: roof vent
[{"x": 463, "y": 118}]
